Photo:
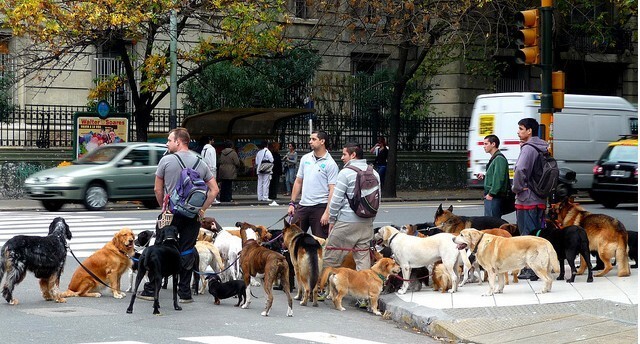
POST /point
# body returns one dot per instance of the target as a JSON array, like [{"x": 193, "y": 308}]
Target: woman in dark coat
[{"x": 228, "y": 171}]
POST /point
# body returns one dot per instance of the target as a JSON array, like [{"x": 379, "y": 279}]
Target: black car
[{"x": 615, "y": 176}]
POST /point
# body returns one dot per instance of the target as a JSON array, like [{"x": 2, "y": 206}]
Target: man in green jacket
[{"x": 496, "y": 179}]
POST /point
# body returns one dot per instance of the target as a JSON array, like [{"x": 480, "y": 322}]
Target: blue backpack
[{"x": 190, "y": 193}]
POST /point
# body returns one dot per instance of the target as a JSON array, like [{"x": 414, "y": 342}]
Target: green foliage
[{"x": 264, "y": 83}]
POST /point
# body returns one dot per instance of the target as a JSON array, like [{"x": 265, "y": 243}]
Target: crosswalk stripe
[
  {"x": 328, "y": 338},
  {"x": 222, "y": 340},
  {"x": 90, "y": 232}
]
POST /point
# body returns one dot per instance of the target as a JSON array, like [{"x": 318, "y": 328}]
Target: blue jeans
[
  {"x": 290, "y": 178},
  {"x": 493, "y": 207},
  {"x": 530, "y": 220}
]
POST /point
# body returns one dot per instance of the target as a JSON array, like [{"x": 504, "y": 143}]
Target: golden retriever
[
  {"x": 108, "y": 264},
  {"x": 440, "y": 278},
  {"x": 498, "y": 255},
  {"x": 362, "y": 284}
]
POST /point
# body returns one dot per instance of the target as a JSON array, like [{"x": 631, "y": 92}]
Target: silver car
[{"x": 114, "y": 172}]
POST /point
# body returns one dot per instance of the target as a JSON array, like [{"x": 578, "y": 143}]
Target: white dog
[
  {"x": 414, "y": 252},
  {"x": 229, "y": 247}
]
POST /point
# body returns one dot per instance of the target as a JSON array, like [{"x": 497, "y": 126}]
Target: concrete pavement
[{"x": 600, "y": 312}]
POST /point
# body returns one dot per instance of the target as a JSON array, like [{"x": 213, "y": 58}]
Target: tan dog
[
  {"x": 361, "y": 284},
  {"x": 209, "y": 256},
  {"x": 607, "y": 235},
  {"x": 348, "y": 261},
  {"x": 206, "y": 235},
  {"x": 498, "y": 255},
  {"x": 306, "y": 257},
  {"x": 440, "y": 278},
  {"x": 261, "y": 262},
  {"x": 412, "y": 230},
  {"x": 505, "y": 234},
  {"x": 108, "y": 264}
]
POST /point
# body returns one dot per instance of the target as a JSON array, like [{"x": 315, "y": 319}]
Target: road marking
[
  {"x": 328, "y": 338},
  {"x": 222, "y": 340}
]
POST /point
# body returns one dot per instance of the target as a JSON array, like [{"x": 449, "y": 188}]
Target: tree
[
  {"x": 273, "y": 82},
  {"x": 413, "y": 31},
  {"x": 61, "y": 32}
]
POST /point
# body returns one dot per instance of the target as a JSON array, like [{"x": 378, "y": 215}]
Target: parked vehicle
[
  {"x": 114, "y": 172},
  {"x": 616, "y": 174},
  {"x": 583, "y": 129}
]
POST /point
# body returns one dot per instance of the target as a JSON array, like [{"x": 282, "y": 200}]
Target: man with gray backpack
[
  {"x": 179, "y": 188},
  {"x": 533, "y": 181}
]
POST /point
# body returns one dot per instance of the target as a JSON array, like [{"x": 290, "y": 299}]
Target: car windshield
[
  {"x": 622, "y": 154},
  {"x": 100, "y": 155}
]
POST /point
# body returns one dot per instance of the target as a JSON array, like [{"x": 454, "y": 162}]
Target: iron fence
[
  {"x": 431, "y": 134},
  {"x": 52, "y": 127}
]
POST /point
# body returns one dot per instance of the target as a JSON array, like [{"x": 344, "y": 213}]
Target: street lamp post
[{"x": 173, "y": 78}]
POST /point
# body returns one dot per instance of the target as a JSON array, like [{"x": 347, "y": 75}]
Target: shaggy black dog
[
  {"x": 44, "y": 256},
  {"x": 158, "y": 261},
  {"x": 226, "y": 290}
]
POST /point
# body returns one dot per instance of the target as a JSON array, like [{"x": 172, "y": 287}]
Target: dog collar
[
  {"x": 392, "y": 237},
  {"x": 124, "y": 253},
  {"x": 381, "y": 277},
  {"x": 478, "y": 244}
]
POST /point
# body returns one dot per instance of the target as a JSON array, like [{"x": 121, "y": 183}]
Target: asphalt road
[{"x": 102, "y": 320}]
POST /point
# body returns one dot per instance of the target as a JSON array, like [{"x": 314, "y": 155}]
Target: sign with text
[{"x": 93, "y": 132}]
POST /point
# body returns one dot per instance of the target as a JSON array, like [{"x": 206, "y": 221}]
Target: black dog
[
  {"x": 419, "y": 276},
  {"x": 568, "y": 242},
  {"x": 226, "y": 290},
  {"x": 44, "y": 256},
  {"x": 428, "y": 228},
  {"x": 158, "y": 261},
  {"x": 633, "y": 247}
]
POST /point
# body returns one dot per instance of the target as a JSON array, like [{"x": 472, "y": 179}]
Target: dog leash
[
  {"x": 217, "y": 273},
  {"x": 277, "y": 221},
  {"x": 90, "y": 272},
  {"x": 428, "y": 228},
  {"x": 370, "y": 249}
]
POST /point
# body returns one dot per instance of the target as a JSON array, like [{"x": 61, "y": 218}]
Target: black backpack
[
  {"x": 545, "y": 174},
  {"x": 366, "y": 193}
]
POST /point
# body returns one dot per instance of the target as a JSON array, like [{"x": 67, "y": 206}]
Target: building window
[
  {"x": 7, "y": 84},
  {"x": 107, "y": 64},
  {"x": 366, "y": 63},
  {"x": 301, "y": 9}
]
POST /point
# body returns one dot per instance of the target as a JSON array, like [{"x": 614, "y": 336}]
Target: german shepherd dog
[
  {"x": 607, "y": 236},
  {"x": 450, "y": 223},
  {"x": 306, "y": 256},
  {"x": 158, "y": 261},
  {"x": 44, "y": 256}
]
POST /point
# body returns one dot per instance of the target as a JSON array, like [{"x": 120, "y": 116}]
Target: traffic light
[
  {"x": 557, "y": 87},
  {"x": 528, "y": 38}
]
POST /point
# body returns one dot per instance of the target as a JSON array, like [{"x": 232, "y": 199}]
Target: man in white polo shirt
[{"x": 316, "y": 178}]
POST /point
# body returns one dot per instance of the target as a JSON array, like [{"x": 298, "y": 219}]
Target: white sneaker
[
  {"x": 216, "y": 202},
  {"x": 273, "y": 204}
]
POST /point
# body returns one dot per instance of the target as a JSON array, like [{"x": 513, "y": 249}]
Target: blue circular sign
[{"x": 103, "y": 109}]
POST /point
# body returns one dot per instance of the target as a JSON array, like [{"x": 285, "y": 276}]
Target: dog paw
[
  {"x": 303, "y": 303},
  {"x": 14, "y": 302},
  {"x": 244, "y": 306},
  {"x": 402, "y": 291},
  {"x": 61, "y": 300},
  {"x": 377, "y": 313},
  {"x": 289, "y": 312},
  {"x": 116, "y": 296},
  {"x": 343, "y": 309},
  {"x": 264, "y": 314},
  {"x": 297, "y": 297}
]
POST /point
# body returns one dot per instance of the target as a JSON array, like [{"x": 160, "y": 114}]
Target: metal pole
[
  {"x": 173, "y": 81},
  {"x": 546, "y": 64}
]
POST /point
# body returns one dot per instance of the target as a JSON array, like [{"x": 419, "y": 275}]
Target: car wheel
[
  {"x": 52, "y": 205},
  {"x": 610, "y": 204},
  {"x": 150, "y": 204},
  {"x": 96, "y": 197}
]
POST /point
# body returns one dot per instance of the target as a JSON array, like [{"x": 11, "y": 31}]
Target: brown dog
[
  {"x": 108, "y": 264},
  {"x": 348, "y": 261},
  {"x": 412, "y": 230},
  {"x": 306, "y": 257},
  {"x": 259, "y": 261},
  {"x": 448, "y": 222},
  {"x": 607, "y": 235},
  {"x": 441, "y": 278},
  {"x": 362, "y": 284}
]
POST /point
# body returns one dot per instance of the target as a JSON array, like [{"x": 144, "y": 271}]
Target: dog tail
[
  {"x": 326, "y": 273},
  {"x": 622, "y": 251},
  {"x": 314, "y": 265}
]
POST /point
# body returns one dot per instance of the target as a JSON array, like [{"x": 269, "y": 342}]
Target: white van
[{"x": 582, "y": 131}]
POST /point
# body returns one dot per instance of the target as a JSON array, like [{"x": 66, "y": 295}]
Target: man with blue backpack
[{"x": 185, "y": 186}]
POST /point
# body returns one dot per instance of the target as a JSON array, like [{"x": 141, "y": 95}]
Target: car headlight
[
  {"x": 30, "y": 180},
  {"x": 64, "y": 180}
]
